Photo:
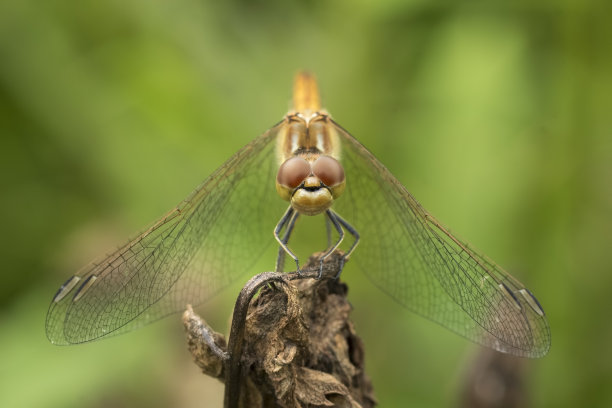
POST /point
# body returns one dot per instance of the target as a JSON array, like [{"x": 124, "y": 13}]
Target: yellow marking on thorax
[{"x": 307, "y": 130}]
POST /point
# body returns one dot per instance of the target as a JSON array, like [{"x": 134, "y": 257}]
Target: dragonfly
[{"x": 216, "y": 234}]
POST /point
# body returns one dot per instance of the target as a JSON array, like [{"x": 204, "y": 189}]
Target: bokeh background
[{"x": 495, "y": 115}]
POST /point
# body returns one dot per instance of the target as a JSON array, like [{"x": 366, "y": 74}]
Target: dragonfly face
[{"x": 213, "y": 237}]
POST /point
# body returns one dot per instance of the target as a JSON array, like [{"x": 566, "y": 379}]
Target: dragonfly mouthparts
[{"x": 313, "y": 188}]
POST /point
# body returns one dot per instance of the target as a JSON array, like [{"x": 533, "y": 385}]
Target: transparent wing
[
  {"x": 410, "y": 256},
  {"x": 193, "y": 252}
]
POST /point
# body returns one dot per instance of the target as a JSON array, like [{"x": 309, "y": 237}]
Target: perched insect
[{"x": 213, "y": 237}]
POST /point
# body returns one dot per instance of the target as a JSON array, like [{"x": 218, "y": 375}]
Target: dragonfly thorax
[{"x": 310, "y": 176}]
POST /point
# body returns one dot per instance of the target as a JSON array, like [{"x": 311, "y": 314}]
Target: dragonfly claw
[
  {"x": 342, "y": 261},
  {"x": 320, "y": 270},
  {"x": 297, "y": 267}
]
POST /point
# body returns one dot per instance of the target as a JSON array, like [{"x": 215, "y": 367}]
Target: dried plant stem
[{"x": 291, "y": 346}]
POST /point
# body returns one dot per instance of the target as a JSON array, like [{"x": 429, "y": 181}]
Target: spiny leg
[
  {"x": 351, "y": 230},
  {"x": 332, "y": 217},
  {"x": 279, "y": 226},
  {"x": 280, "y": 260},
  {"x": 329, "y": 231},
  {"x": 288, "y": 222}
]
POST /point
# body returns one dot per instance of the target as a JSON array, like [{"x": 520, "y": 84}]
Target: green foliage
[{"x": 495, "y": 115}]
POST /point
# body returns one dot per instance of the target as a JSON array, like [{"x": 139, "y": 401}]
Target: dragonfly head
[{"x": 310, "y": 185}]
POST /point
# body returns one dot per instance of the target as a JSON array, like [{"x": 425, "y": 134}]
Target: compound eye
[
  {"x": 292, "y": 172},
  {"x": 328, "y": 170}
]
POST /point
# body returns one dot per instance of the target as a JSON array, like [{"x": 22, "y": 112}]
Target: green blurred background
[{"x": 495, "y": 115}]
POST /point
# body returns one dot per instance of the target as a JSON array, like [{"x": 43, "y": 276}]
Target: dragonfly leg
[
  {"x": 329, "y": 231},
  {"x": 351, "y": 230},
  {"x": 288, "y": 222},
  {"x": 331, "y": 216}
]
